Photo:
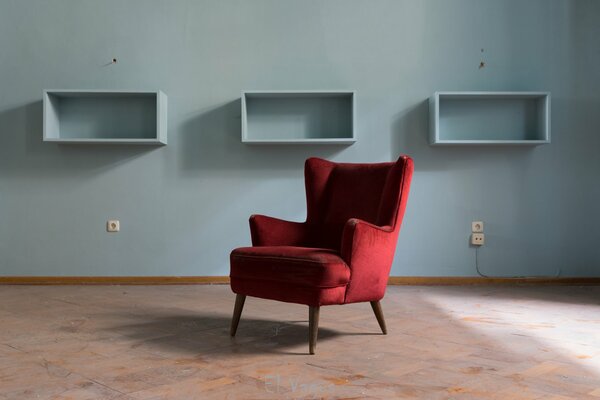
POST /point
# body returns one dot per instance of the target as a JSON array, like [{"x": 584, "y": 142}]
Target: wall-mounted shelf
[
  {"x": 494, "y": 118},
  {"x": 298, "y": 117},
  {"x": 105, "y": 117}
]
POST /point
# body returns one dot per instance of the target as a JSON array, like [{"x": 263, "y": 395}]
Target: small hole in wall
[
  {"x": 482, "y": 63},
  {"x": 111, "y": 62}
]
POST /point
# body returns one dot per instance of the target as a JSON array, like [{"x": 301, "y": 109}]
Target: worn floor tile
[{"x": 172, "y": 342}]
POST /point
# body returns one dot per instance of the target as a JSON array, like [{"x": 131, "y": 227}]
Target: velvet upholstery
[
  {"x": 301, "y": 265},
  {"x": 344, "y": 250}
]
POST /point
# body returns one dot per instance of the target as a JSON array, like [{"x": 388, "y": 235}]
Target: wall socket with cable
[{"x": 477, "y": 235}]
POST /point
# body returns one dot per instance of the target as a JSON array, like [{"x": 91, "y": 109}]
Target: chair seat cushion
[{"x": 297, "y": 266}]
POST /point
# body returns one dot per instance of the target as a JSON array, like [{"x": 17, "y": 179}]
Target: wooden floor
[{"x": 172, "y": 342}]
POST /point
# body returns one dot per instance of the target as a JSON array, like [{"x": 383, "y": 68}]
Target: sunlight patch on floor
[{"x": 512, "y": 323}]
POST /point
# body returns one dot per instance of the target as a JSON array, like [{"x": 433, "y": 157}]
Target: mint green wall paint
[{"x": 183, "y": 207}]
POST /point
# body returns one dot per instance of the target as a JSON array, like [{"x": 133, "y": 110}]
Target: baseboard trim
[
  {"x": 478, "y": 280},
  {"x": 114, "y": 280},
  {"x": 222, "y": 280}
]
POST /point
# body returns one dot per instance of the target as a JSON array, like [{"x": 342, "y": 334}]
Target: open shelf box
[
  {"x": 494, "y": 118},
  {"x": 105, "y": 117},
  {"x": 298, "y": 117}
]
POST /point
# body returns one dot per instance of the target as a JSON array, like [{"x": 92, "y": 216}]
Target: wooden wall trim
[
  {"x": 113, "y": 280},
  {"x": 211, "y": 280},
  {"x": 478, "y": 280}
]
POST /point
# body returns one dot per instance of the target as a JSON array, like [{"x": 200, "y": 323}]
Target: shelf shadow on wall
[
  {"x": 410, "y": 135},
  {"x": 22, "y": 151},
  {"x": 211, "y": 140}
]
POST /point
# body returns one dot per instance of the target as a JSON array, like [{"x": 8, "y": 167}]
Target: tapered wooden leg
[
  {"x": 313, "y": 328},
  {"x": 379, "y": 314},
  {"x": 237, "y": 312}
]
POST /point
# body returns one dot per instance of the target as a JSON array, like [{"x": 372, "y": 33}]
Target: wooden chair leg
[
  {"x": 237, "y": 312},
  {"x": 313, "y": 328},
  {"x": 376, "y": 305}
]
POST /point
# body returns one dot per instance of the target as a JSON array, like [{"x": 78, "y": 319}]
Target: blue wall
[{"x": 183, "y": 207}]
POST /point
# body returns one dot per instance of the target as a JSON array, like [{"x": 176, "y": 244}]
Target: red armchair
[{"x": 341, "y": 254}]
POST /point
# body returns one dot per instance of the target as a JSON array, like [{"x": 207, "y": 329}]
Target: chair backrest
[{"x": 336, "y": 192}]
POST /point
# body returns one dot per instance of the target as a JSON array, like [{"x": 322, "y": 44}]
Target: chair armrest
[
  {"x": 368, "y": 250},
  {"x": 269, "y": 231}
]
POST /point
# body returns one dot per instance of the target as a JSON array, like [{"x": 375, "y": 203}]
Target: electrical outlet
[
  {"x": 477, "y": 226},
  {"x": 477, "y": 239},
  {"x": 112, "y": 225}
]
